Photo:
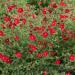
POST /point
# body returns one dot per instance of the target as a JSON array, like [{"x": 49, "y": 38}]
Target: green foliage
[{"x": 45, "y": 3}]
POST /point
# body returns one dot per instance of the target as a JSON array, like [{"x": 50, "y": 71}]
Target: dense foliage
[{"x": 37, "y": 42}]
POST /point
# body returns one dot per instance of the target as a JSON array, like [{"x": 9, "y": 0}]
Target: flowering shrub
[{"x": 37, "y": 42}]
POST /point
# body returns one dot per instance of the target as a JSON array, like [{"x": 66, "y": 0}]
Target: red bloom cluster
[
  {"x": 32, "y": 47},
  {"x": 5, "y": 58},
  {"x": 1, "y": 33},
  {"x": 63, "y": 4},
  {"x": 6, "y": 19},
  {"x": 11, "y": 7}
]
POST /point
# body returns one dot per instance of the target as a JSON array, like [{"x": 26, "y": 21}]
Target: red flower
[
  {"x": 62, "y": 27},
  {"x": 73, "y": 18},
  {"x": 39, "y": 3},
  {"x": 52, "y": 31},
  {"x": 50, "y": 11},
  {"x": 67, "y": 10},
  {"x": 18, "y": 54},
  {"x": 16, "y": 21},
  {"x": 33, "y": 47},
  {"x": 71, "y": 57},
  {"x": 3, "y": 26},
  {"x": 11, "y": 7},
  {"x": 23, "y": 20},
  {"x": 44, "y": 10},
  {"x": 45, "y": 53},
  {"x": 7, "y": 40},
  {"x": 53, "y": 23},
  {"x": 16, "y": 38},
  {"x": 30, "y": 51},
  {"x": 32, "y": 37},
  {"x": 6, "y": 19},
  {"x": 62, "y": 16},
  {"x": 1, "y": 33},
  {"x": 42, "y": 28},
  {"x": 45, "y": 34},
  {"x": 44, "y": 72},
  {"x": 63, "y": 4},
  {"x": 52, "y": 53},
  {"x": 51, "y": 44},
  {"x": 6, "y": 59},
  {"x": 20, "y": 10},
  {"x": 64, "y": 37},
  {"x": 39, "y": 55},
  {"x": 54, "y": 5},
  {"x": 68, "y": 73},
  {"x": 57, "y": 62}
]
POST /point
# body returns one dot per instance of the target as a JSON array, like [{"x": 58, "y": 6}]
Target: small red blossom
[
  {"x": 45, "y": 53},
  {"x": 50, "y": 11},
  {"x": 11, "y": 7},
  {"x": 45, "y": 34},
  {"x": 39, "y": 3},
  {"x": 50, "y": 5},
  {"x": 12, "y": 27},
  {"x": 3, "y": 26},
  {"x": 63, "y": 16},
  {"x": 67, "y": 10},
  {"x": 68, "y": 73},
  {"x": 63, "y": 4},
  {"x": 42, "y": 28},
  {"x": 20, "y": 10},
  {"x": 57, "y": 62},
  {"x": 1, "y": 33},
  {"x": 6, "y": 19},
  {"x": 30, "y": 51},
  {"x": 39, "y": 42},
  {"x": 44, "y": 72},
  {"x": 38, "y": 55},
  {"x": 16, "y": 21},
  {"x": 18, "y": 54},
  {"x": 52, "y": 31},
  {"x": 23, "y": 20},
  {"x": 62, "y": 27},
  {"x": 33, "y": 47},
  {"x": 52, "y": 53},
  {"x": 71, "y": 57},
  {"x": 36, "y": 28},
  {"x": 44, "y": 11},
  {"x": 54, "y": 5},
  {"x": 7, "y": 40},
  {"x": 54, "y": 23},
  {"x": 1, "y": 55},
  {"x": 32, "y": 37},
  {"x": 6, "y": 59},
  {"x": 16, "y": 38}
]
